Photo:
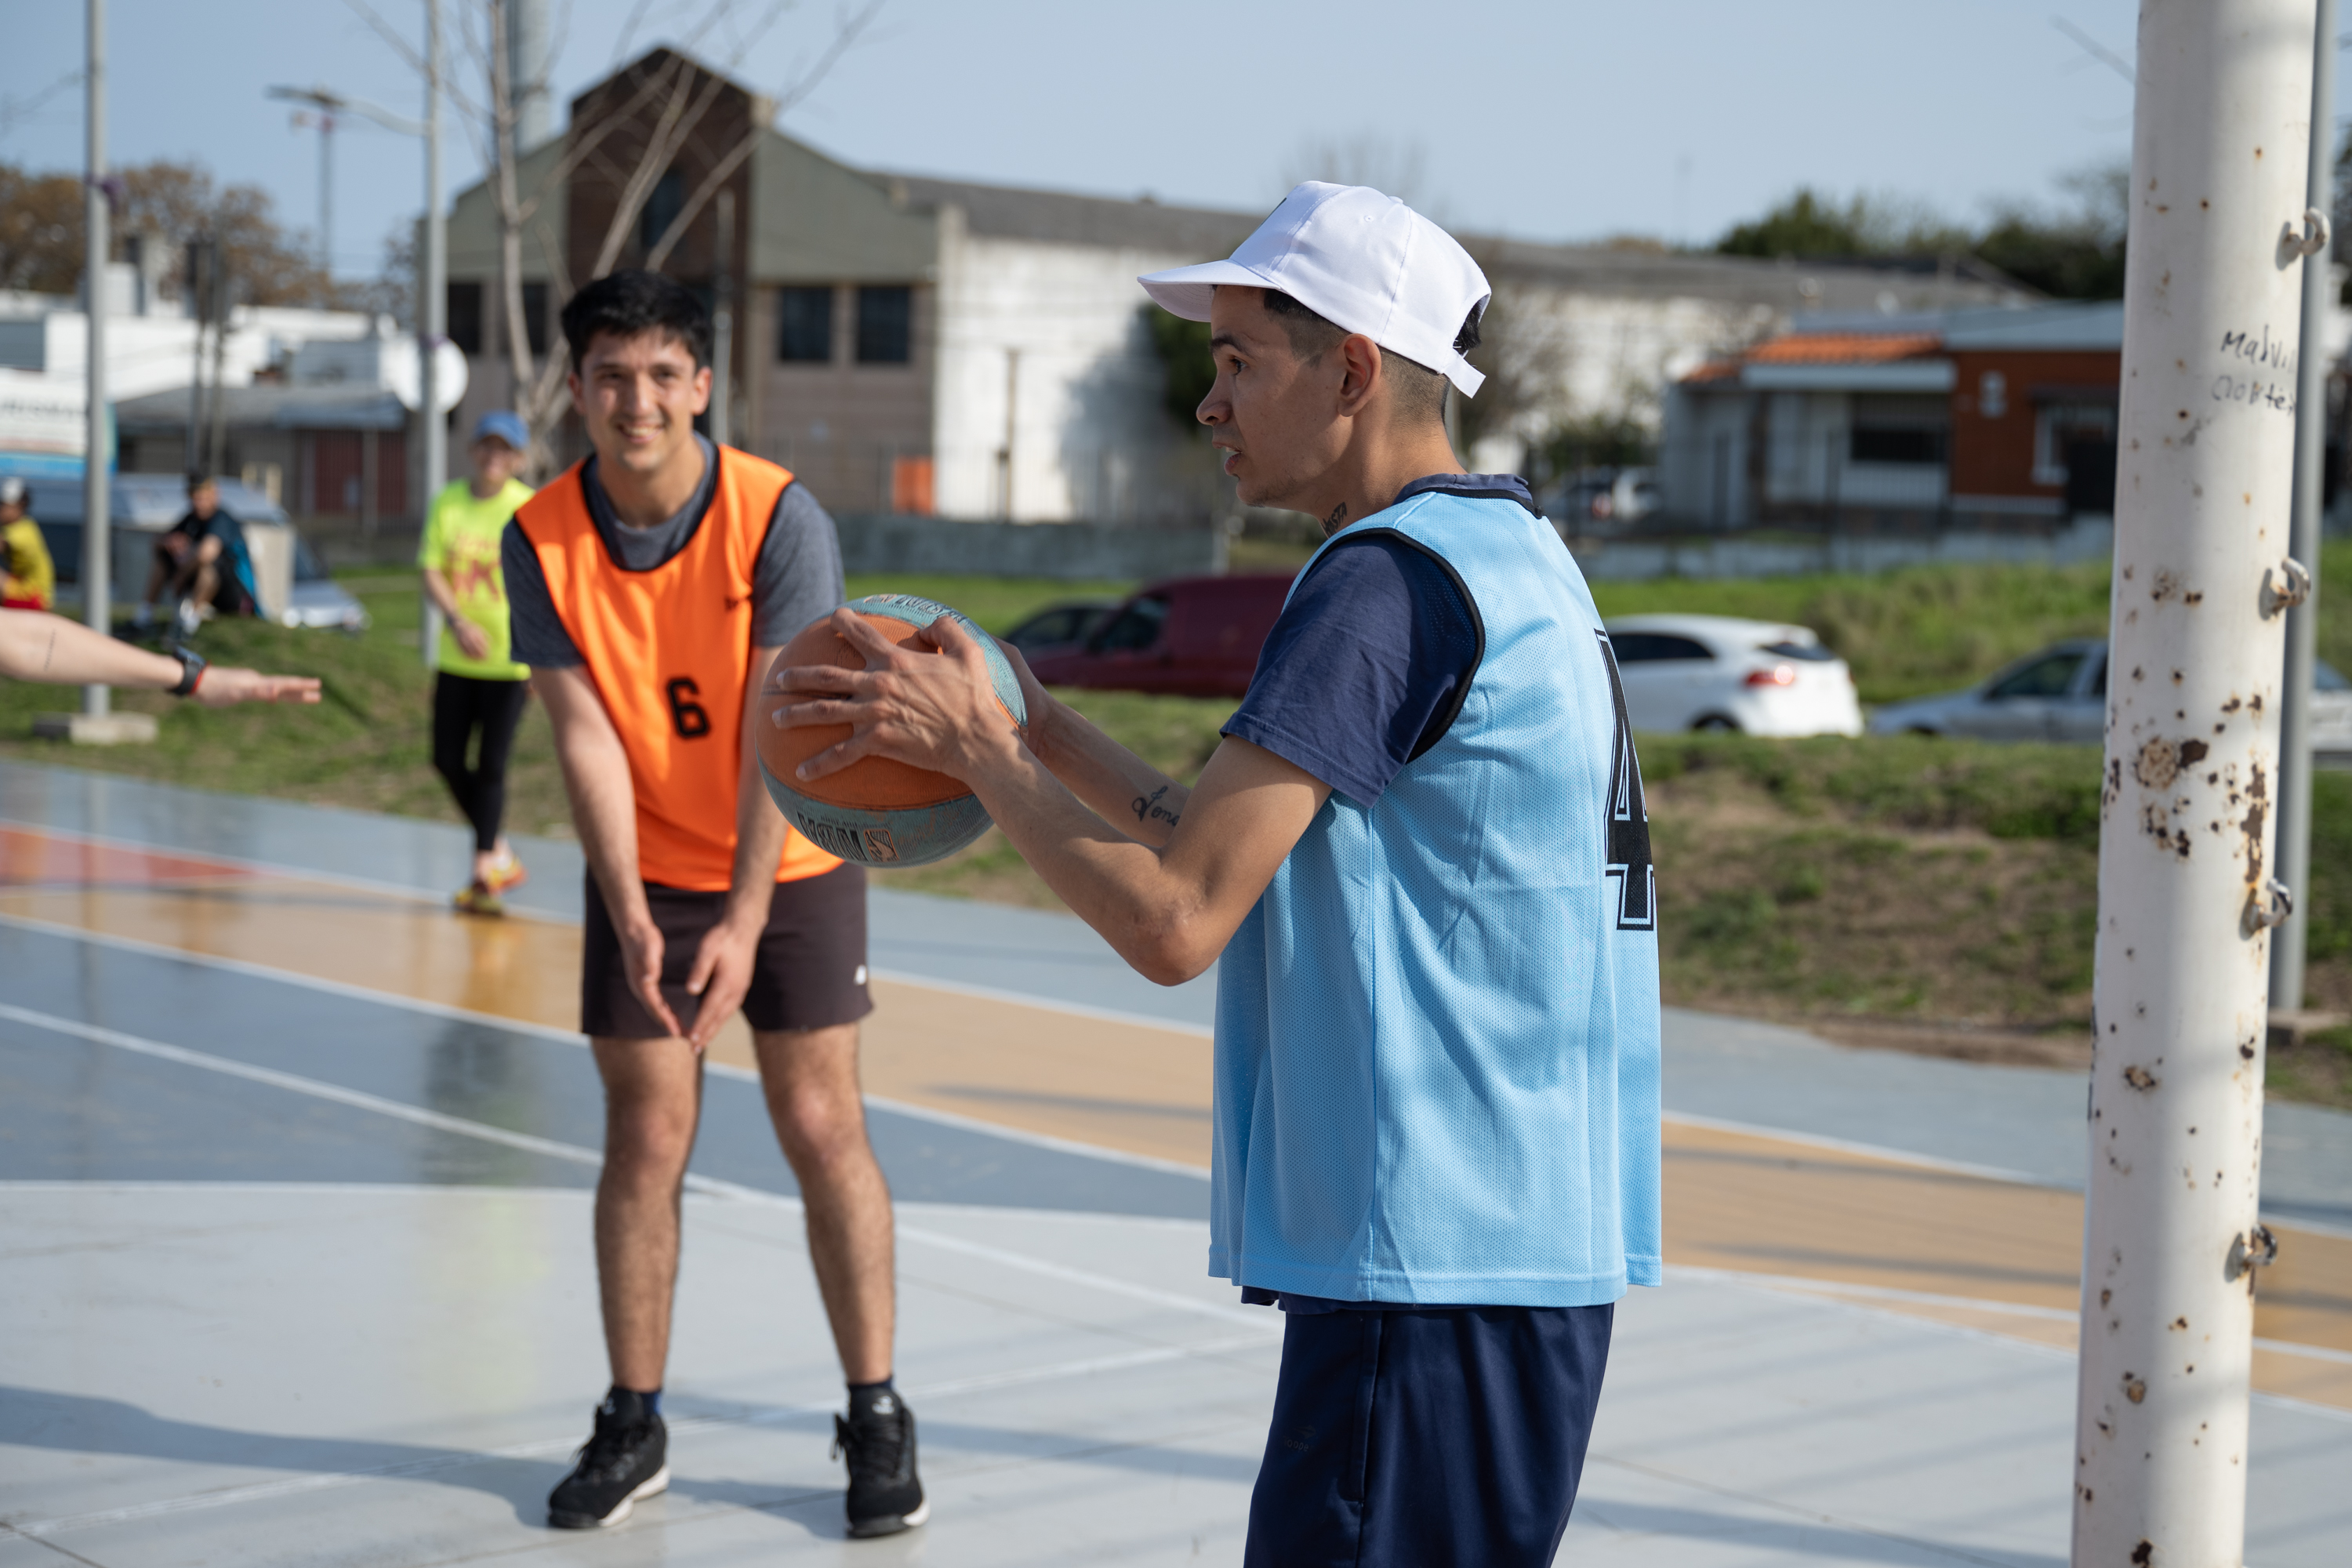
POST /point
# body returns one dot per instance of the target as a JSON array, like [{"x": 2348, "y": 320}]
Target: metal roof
[{"x": 278, "y": 406}]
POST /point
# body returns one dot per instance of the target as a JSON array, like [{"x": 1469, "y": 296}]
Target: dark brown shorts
[{"x": 809, "y": 973}]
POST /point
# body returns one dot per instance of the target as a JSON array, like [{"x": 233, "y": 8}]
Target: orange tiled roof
[{"x": 1843, "y": 348}]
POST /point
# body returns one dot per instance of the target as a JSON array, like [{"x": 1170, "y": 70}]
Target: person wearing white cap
[{"x": 1421, "y": 861}]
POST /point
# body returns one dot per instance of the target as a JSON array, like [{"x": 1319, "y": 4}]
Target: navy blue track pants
[{"x": 1427, "y": 1439}]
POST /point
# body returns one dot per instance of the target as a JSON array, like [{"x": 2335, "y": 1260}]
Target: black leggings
[{"x": 462, "y": 704}]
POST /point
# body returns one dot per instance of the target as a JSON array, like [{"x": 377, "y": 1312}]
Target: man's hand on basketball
[
  {"x": 929, "y": 709},
  {"x": 222, "y": 687},
  {"x": 720, "y": 976}
]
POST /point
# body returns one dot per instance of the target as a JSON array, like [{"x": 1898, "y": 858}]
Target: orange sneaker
[
  {"x": 506, "y": 873},
  {"x": 477, "y": 900}
]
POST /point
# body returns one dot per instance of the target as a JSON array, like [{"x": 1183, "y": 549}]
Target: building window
[
  {"x": 804, "y": 324},
  {"x": 663, "y": 205},
  {"x": 885, "y": 318},
  {"x": 1894, "y": 444},
  {"x": 464, "y": 307},
  {"x": 2058, "y": 427},
  {"x": 534, "y": 317}
]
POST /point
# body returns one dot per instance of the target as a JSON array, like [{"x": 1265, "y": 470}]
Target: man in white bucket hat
[{"x": 1421, "y": 861}]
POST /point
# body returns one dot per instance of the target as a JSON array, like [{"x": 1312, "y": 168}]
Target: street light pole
[
  {"x": 2172, "y": 1236},
  {"x": 97, "y": 604},
  {"x": 2288, "y": 943},
  {"x": 327, "y": 105}
]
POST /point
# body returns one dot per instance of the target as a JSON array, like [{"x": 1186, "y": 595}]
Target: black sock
[
  {"x": 631, "y": 1403},
  {"x": 862, "y": 1396}
]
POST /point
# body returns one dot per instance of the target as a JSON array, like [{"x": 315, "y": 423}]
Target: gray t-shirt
[{"x": 795, "y": 579}]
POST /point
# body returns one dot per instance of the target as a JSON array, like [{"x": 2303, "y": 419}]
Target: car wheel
[{"x": 1716, "y": 722}]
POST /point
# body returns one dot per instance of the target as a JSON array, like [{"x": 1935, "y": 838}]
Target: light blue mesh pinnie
[{"x": 1437, "y": 1044}]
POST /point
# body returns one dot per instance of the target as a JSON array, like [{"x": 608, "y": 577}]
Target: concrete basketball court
[{"x": 294, "y": 1179}]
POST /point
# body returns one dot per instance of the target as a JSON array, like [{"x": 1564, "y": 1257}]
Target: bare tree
[{"x": 632, "y": 138}]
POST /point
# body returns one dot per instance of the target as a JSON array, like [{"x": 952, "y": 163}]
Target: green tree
[
  {"x": 1805, "y": 224},
  {"x": 41, "y": 224},
  {"x": 1185, "y": 364},
  {"x": 40, "y": 231}
]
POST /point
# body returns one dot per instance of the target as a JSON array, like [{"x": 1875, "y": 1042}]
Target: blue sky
[{"x": 1545, "y": 121}]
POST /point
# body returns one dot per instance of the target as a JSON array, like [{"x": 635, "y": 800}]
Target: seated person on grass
[{"x": 200, "y": 562}]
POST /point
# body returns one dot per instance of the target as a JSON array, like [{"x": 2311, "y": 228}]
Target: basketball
[{"x": 876, "y": 812}]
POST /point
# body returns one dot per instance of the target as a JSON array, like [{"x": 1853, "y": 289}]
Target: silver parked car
[{"x": 2060, "y": 694}]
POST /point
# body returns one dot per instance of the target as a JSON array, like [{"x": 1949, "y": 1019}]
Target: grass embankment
[{"x": 1904, "y": 892}]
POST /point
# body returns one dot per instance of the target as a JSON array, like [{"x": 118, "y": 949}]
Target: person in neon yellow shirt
[
  {"x": 27, "y": 578},
  {"x": 476, "y": 688}
]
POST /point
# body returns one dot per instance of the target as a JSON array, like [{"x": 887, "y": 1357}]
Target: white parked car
[
  {"x": 2060, "y": 694},
  {"x": 1715, "y": 672}
]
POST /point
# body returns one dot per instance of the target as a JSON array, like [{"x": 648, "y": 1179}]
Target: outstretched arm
[
  {"x": 39, "y": 646},
  {"x": 1168, "y": 908}
]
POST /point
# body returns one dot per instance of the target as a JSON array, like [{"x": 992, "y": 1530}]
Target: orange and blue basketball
[{"x": 878, "y": 812}]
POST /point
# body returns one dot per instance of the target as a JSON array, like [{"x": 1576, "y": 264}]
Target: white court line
[
  {"x": 578, "y": 1154},
  {"x": 563, "y": 1037},
  {"x": 1871, "y": 1151},
  {"x": 263, "y": 1491}
]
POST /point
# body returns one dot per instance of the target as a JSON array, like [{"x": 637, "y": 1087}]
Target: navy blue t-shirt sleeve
[{"x": 1364, "y": 663}]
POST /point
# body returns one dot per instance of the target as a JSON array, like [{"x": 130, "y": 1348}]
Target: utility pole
[
  {"x": 2288, "y": 943},
  {"x": 2173, "y": 1239},
  {"x": 432, "y": 319},
  {"x": 97, "y": 483},
  {"x": 526, "y": 32},
  {"x": 722, "y": 326},
  {"x": 223, "y": 304},
  {"x": 199, "y": 279}
]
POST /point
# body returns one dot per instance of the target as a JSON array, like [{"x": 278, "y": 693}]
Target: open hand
[
  {"x": 930, "y": 704},
  {"x": 472, "y": 641},
  {"x": 220, "y": 687}
]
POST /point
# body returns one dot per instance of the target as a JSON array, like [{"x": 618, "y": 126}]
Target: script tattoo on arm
[{"x": 1147, "y": 808}]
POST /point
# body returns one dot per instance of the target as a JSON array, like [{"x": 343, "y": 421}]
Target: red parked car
[{"x": 1193, "y": 637}]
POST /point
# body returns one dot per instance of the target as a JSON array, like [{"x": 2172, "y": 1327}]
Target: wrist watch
[{"x": 192, "y": 669}]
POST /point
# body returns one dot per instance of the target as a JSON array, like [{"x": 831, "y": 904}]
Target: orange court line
[
  {"x": 1735, "y": 1200},
  {"x": 31, "y": 857}
]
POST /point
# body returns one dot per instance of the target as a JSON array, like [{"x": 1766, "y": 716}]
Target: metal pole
[
  {"x": 326, "y": 208},
  {"x": 2172, "y": 1236},
  {"x": 722, "y": 326},
  {"x": 432, "y": 320},
  {"x": 98, "y": 600},
  {"x": 223, "y": 307},
  {"x": 2310, "y": 459},
  {"x": 198, "y": 245}
]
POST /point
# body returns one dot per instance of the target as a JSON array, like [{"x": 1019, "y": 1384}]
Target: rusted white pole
[{"x": 2211, "y": 309}]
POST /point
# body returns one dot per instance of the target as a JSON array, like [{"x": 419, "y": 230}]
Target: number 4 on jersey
[{"x": 1636, "y": 893}]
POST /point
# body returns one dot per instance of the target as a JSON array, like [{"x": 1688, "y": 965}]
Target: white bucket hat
[{"x": 1363, "y": 261}]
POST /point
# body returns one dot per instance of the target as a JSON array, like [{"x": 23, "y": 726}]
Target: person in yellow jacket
[
  {"x": 29, "y": 579},
  {"x": 477, "y": 689}
]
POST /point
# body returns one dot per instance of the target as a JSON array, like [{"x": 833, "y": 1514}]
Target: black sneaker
[
  {"x": 627, "y": 1460},
  {"x": 885, "y": 1494}
]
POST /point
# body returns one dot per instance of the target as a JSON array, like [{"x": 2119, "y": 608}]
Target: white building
[{"x": 914, "y": 344}]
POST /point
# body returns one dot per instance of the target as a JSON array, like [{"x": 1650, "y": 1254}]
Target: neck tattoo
[{"x": 1338, "y": 515}]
